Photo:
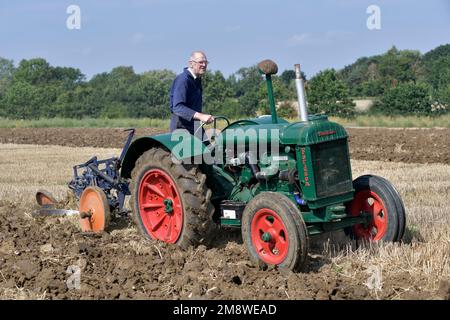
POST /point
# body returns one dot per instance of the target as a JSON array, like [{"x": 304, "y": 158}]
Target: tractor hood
[{"x": 318, "y": 129}]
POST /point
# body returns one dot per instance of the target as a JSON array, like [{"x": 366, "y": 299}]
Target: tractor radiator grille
[{"x": 331, "y": 168}]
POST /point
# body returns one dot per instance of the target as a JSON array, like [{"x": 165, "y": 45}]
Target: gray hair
[{"x": 196, "y": 53}]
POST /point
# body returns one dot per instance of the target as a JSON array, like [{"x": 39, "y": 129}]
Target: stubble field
[{"x": 36, "y": 254}]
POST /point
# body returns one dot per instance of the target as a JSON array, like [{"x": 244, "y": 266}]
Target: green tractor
[{"x": 280, "y": 182}]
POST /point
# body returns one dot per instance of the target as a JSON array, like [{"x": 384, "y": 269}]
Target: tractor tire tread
[
  {"x": 296, "y": 259},
  {"x": 195, "y": 195},
  {"x": 386, "y": 188}
]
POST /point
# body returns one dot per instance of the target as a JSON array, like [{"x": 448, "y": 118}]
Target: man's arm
[{"x": 179, "y": 101}]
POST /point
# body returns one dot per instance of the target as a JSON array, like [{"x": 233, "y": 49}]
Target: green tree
[
  {"x": 287, "y": 76},
  {"x": 355, "y": 75},
  {"x": 83, "y": 101},
  {"x": 109, "y": 92},
  {"x": 34, "y": 89},
  {"x": 399, "y": 66},
  {"x": 215, "y": 91},
  {"x": 115, "y": 110},
  {"x": 246, "y": 83},
  {"x": 286, "y": 110},
  {"x": 67, "y": 77},
  {"x": 25, "y": 101},
  {"x": 231, "y": 108},
  {"x": 406, "y": 99},
  {"x": 34, "y": 71},
  {"x": 283, "y": 94},
  {"x": 371, "y": 76},
  {"x": 150, "y": 95},
  {"x": 436, "y": 67},
  {"x": 327, "y": 94},
  {"x": 6, "y": 74},
  {"x": 119, "y": 81},
  {"x": 372, "y": 88}
]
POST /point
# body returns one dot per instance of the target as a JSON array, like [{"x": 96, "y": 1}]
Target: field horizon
[{"x": 361, "y": 120}]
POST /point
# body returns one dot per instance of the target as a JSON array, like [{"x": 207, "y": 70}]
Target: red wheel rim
[
  {"x": 369, "y": 202},
  {"x": 160, "y": 206},
  {"x": 269, "y": 236}
]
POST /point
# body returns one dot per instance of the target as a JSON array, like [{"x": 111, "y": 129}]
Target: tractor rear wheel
[
  {"x": 274, "y": 232},
  {"x": 170, "y": 201},
  {"x": 378, "y": 197}
]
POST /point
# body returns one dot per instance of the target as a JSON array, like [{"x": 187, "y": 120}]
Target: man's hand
[{"x": 207, "y": 118}]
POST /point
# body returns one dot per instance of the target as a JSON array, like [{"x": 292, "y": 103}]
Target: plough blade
[
  {"x": 45, "y": 198},
  {"x": 48, "y": 203},
  {"x": 45, "y": 212}
]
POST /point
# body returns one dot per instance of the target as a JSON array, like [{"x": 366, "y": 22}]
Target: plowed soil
[
  {"x": 42, "y": 257},
  {"x": 397, "y": 145}
]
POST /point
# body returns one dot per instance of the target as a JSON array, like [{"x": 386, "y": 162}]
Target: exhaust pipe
[{"x": 301, "y": 95}]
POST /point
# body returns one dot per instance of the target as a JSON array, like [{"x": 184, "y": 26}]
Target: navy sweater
[{"x": 185, "y": 101}]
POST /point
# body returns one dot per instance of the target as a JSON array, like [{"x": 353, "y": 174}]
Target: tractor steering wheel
[{"x": 214, "y": 135}]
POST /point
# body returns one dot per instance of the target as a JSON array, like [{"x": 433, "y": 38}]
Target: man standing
[{"x": 186, "y": 95}]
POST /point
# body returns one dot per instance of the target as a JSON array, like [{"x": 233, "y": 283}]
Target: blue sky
[{"x": 160, "y": 34}]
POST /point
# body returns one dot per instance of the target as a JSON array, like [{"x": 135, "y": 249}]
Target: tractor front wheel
[
  {"x": 170, "y": 201},
  {"x": 378, "y": 198},
  {"x": 274, "y": 232}
]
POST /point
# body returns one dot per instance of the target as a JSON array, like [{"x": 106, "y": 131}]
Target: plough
[{"x": 99, "y": 190}]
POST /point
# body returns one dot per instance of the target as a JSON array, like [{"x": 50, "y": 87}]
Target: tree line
[
  {"x": 400, "y": 81},
  {"x": 403, "y": 81}
]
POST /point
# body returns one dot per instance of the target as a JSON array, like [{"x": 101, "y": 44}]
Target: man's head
[{"x": 198, "y": 63}]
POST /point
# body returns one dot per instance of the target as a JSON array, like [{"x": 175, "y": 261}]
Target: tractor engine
[{"x": 306, "y": 161}]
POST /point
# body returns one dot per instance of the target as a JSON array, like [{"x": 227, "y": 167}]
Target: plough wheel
[{"x": 94, "y": 210}]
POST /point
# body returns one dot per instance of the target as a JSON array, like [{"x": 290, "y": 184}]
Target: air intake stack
[{"x": 268, "y": 68}]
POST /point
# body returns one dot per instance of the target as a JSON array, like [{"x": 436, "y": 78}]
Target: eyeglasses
[{"x": 205, "y": 62}]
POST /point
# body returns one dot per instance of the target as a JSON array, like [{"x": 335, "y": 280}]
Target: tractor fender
[{"x": 180, "y": 143}]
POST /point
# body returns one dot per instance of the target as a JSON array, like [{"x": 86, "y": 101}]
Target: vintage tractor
[{"x": 279, "y": 182}]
